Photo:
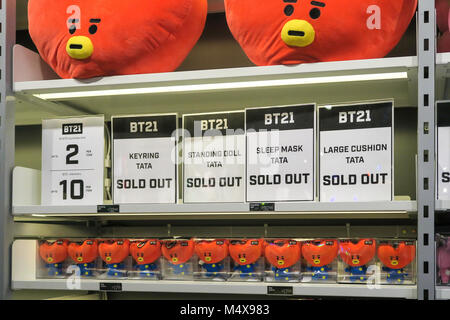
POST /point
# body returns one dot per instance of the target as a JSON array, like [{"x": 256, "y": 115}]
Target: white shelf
[
  {"x": 442, "y": 293},
  {"x": 315, "y": 210},
  {"x": 31, "y": 108},
  {"x": 442, "y": 205},
  {"x": 260, "y": 288}
]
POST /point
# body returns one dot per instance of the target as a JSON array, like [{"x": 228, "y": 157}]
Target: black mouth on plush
[
  {"x": 76, "y": 46},
  {"x": 295, "y": 33}
]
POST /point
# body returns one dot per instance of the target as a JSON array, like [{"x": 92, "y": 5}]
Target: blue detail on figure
[
  {"x": 180, "y": 269},
  {"x": 212, "y": 269},
  {"x": 86, "y": 269},
  {"x": 247, "y": 270},
  {"x": 54, "y": 269},
  {"x": 282, "y": 273},
  {"x": 116, "y": 270},
  {"x": 357, "y": 273},
  {"x": 395, "y": 275},
  {"x": 319, "y": 273},
  {"x": 147, "y": 270}
]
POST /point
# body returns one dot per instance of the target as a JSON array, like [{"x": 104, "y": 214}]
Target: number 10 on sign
[{"x": 72, "y": 161}]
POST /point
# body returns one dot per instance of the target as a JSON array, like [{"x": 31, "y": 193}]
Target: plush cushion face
[
  {"x": 85, "y": 252},
  {"x": 211, "y": 251},
  {"x": 114, "y": 251},
  {"x": 320, "y": 253},
  {"x": 357, "y": 254},
  {"x": 396, "y": 257},
  {"x": 279, "y": 32},
  {"x": 145, "y": 252},
  {"x": 53, "y": 252},
  {"x": 178, "y": 251},
  {"x": 283, "y": 253},
  {"x": 88, "y": 38},
  {"x": 245, "y": 252}
]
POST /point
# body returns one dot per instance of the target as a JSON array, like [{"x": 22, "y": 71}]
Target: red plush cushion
[
  {"x": 279, "y": 32},
  {"x": 89, "y": 38}
]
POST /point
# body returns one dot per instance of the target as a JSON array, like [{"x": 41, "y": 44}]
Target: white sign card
[
  {"x": 356, "y": 152},
  {"x": 73, "y": 161},
  {"x": 280, "y": 153},
  {"x": 145, "y": 159},
  {"x": 214, "y": 157},
  {"x": 443, "y": 149}
]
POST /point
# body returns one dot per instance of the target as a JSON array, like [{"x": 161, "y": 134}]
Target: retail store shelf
[
  {"x": 302, "y": 289},
  {"x": 442, "y": 205},
  {"x": 218, "y": 90},
  {"x": 314, "y": 210},
  {"x": 442, "y": 293}
]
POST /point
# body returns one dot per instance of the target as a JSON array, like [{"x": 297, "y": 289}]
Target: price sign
[
  {"x": 214, "y": 157},
  {"x": 356, "y": 152},
  {"x": 72, "y": 161},
  {"x": 144, "y": 159},
  {"x": 443, "y": 138},
  {"x": 280, "y": 153}
]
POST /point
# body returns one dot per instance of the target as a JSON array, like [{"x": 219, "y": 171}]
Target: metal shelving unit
[{"x": 409, "y": 80}]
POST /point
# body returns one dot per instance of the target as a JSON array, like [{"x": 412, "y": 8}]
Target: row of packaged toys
[{"x": 271, "y": 260}]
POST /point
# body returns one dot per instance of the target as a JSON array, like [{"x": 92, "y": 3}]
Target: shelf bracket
[{"x": 426, "y": 51}]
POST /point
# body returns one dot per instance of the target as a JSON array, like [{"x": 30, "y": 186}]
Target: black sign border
[
  {"x": 439, "y": 104},
  {"x": 184, "y": 150},
  {"x": 315, "y": 128},
  {"x": 392, "y": 140},
  {"x": 176, "y": 148}
]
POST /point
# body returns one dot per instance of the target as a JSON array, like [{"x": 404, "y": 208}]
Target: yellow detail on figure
[
  {"x": 321, "y": 269},
  {"x": 115, "y": 273},
  {"x": 213, "y": 265},
  {"x": 181, "y": 266},
  {"x": 360, "y": 269}
]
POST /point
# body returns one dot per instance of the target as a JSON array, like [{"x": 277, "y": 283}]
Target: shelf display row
[
  {"x": 260, "y": 155},
  {"x": 378, "y": 261}
]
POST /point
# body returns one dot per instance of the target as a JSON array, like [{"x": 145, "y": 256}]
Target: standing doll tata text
[
  {"x": 146, "y": 254},
  {"x": 54, "y": 254},
  {"x": 178, "y": 254},
  {"x": 320, "y": 256},
  {"x": 356, "y": 255},
  {"x": 246, "y": 255},
  {"x": 283, "y": 256},
  {"x": 84, "y": 256},
  {"x": 212, "y": 256},
  {"x": 114, "y": 253}
]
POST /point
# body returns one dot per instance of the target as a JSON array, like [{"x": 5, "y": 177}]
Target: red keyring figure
[
  {"x": 146, "y": 253},
  {"x": 356, "y": 255},
  {"x": 114, "y": 253},
  {"x": 178, "y": 252},
  {"x": 395, "y": 257},
  {"x": 84, "y": 255},
  {"x": 283, "y": 254},
  {"x": 245, "y": 254},
  {"x": 212, "y": 253},
  {"x": 319, "y": 254},
  {"x": 54, "y": 253},
  {"x": 291, "y": 32}
]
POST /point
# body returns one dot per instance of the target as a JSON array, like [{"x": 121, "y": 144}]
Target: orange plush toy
[
  {"x": 91, "y": 38},
  {"x": 292, "y": 32}
]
